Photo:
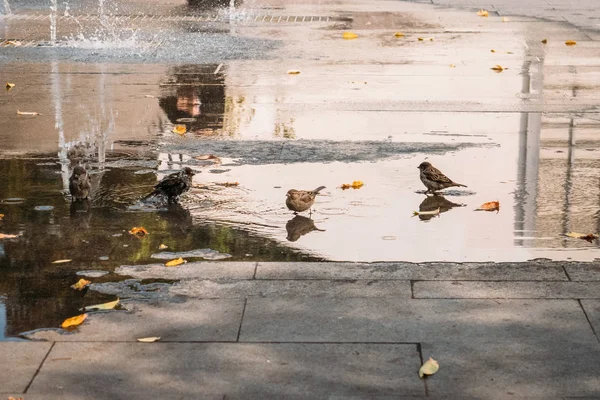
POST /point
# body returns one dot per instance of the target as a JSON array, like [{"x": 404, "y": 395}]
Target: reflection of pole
[
  {"x": 569, "y": 179},
  {"x": 59, "y": 126}
]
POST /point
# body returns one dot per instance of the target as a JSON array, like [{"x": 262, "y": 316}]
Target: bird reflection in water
[
  {"x": 432, "y": 203},
  {"x": 300, "y": 226},
  {"x": 80, "y": 214}
]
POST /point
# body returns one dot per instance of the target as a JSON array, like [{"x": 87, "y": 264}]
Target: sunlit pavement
[{"x": 254, "y": 325}]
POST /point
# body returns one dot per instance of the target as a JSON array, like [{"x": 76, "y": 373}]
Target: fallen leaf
[
  {"x": 74, "y": 321},
  {"x": 203, "y": 157},
  {"x": 9, "y": 86},
  {"x": 14, "y": 398},
  {"x": 1, "y": 217},
  {"x": 570, "y": 43},
  {"x": 175, "y": 262},
  {"x": 228, "y": 184},
  {"x": 357, "y": 184},
  {"x": 7, "y": 236},
  {"x": 150, "y": 339},
  {"x": 452, "y": 66},
  {"x": 509, "y": 52},
  {"x": 489, "y": 206},
  {"x": 545, "y": 41},
  {"x": 106, "y": 306},
  {"x": 27, "y": 113},
  {"x": 138, "y": 231},
  {"x": 15, "y": 43},
  {"x": 424, "y": 39},
  {"x": 504, "y": 19},
  {"x": 493, "y": 51},
  {"x": 66, "y": 260},
  {"x": 293, "y": 72},
  {"x": 163, "y": 246},
  {"x": 498, "y": 68},
  {"x": 430, "y": 367},
  {"x": 433, "y": 212},
  {"x": 179, "y": 129},
  {"x": 399, "y": 34},
  {"x": 82, "y": 283},
  {"x": 345, "y": 186},
  {"x": 349, "y": 35},
  {"x": 483, "y": 13},
  {"x": 589, "y": 237}
]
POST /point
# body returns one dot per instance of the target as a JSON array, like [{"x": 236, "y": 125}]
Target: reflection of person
[
  {"x": 299, "y": 226},
  {"x": 432, "y": 203}
]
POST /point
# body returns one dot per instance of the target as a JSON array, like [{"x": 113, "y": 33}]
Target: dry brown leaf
[
  {"x": 399, "y": 34},
  {"x": 7, "y": 236},
  {"x": 175, "y": 262},
  {"x": 150, "y": 339},
  {"x": 28, "y": 113},
  {"x": 105, "y": 306},
  {"x": 493, "y": 51},
  {"x": 228, "y": 184},
  {"x": 139, "y": 231},
  {"x": 163, "y": 246},
  {"x": 430, "y": 367},
  {"x": 489, "y": 206},
  {"x": 1, "y": 217},
  {"x": 81, "y": 284},
  {"x": 179, "y": 129},
  {"x": 15, "y": 43},
  {"x": 589, "y": 237},
  {"x": 570, "y": 43},
  {"x": 483, "y": 13},
  {"x": 66, "y": 260},
  {"x": 421, "y": 39},
  {"x": 293, "y": 72},
  {"x": 9, "y": 86},
  {"x": 498, "y": 68},
  {"x": 349, "y": 35},
  {"x": 545, "y": 41},
  {"x": 74, "y": 321}
]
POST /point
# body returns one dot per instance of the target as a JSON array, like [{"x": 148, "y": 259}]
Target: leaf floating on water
[
  {"x": 570, "y": 43},
  {"x": 150, "y": 339},
  {"x": 349, "y": 35},
  {"x": 9, "y": 86},
  {"x": 399, "y": 34},
  {"x": 74, "y": 321},
  {"x": 163, "y": 247},
  {"x": 452, "y": 66},
  {"x": 498, "y": 68},
  {"x": 589, "y": 237},
  {"x": 430, "y": 367},
  {"x": 433, "y": 212},
  {"x": 7, "y": 236},
  {"x": 175, "y": 262},
  {"x": 492, "y": 50},
  {"x": 228, "y": 184},
  {"x": 138, "y": 231},
  {"x": 179, "y": 129},
  {"x": 483, "y": 13},
  {"x": 28, "y": 113},
  {"x": 106, "y": 306},
  {"x": 66, "y": 260},
  {"x": 81, "y": 284},
  {"x": 504, "y": 19},
  {"x": 1, "y": 217},
  {"x": 293, "y": 72},
  {"x": 489, "y": 206},
  {"x": 353, "y": 185},
  {"x": 425, "y": 39},
  {"x": 545, "y": 41}
]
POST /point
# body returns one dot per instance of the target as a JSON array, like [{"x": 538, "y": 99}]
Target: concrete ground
[{"x": 248, "y": 330}]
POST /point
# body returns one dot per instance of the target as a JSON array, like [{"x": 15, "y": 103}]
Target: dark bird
[
  {"x": 299, "y": 226},
  {"x": 174, "y": 185},
  {"x": 79, "y": 184},
  {"x": 432, "y": 203},
  {"x": 433, "y": 179},
  {"x": 301, "y": 200}
]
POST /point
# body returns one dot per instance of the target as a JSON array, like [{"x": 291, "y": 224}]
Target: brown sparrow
[
  {"x": 299, "y": 226},
  {"x": 432, "y": 203},
  {"x": 301, "y": 200},
  {"x": 79, "y": 184},
  {"x": 433, "y": 179},
  {"x": 174, "y": 185}
]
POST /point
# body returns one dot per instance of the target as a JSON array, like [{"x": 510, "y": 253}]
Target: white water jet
[{"x": 54, "y": 10}]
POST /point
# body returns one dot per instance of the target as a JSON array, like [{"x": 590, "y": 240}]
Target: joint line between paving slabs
[
  {"x": 37, "y": 371},
  {"x": 255, "y": 269},
  {"x": 241, "y": 321},
  {"x": 567, "y": 274},
  {"x": 588, "y": 320},
  {"x": 420, "y": 351},
  {"x": 412, "y": 289}
]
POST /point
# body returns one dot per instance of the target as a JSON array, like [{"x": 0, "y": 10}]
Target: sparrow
[
  {"x": 79, "y": 184},
  {"x": 174, "y": 185},
  {"x": 434, "y": 202},
  {"x": 299, "y": 226},
  {"x": 433, "y": 179},
  {"x": 301, "y": 200}
]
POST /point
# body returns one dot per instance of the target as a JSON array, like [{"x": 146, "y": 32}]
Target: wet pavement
[{"x": 112, "y": 79}]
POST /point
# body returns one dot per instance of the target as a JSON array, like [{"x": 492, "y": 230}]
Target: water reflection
[
  {"x": 300, "y": 226},
  {"x": 433, "y": 202}
]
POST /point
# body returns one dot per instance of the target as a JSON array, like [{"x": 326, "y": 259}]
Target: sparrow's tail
[
  {"x": 317, "y": 190},
  {"x": 459, "y": 184},
  {"x": 154, "y": 193}
]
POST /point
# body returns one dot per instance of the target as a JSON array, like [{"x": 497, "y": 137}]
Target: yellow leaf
[
  {"x": 570, "y": 43},
  {"x": 430, "y": 367},
  {"x": 74, "y": 321},
  {"x": 498, "y": 68},
  {"x": 293, "y": 72},
  {"x": 1, "y": 217},
  {"x": 452, "y": 66},
  {"x": 493, "y": 51},
  {"x": 399, "y": 34},
  {"x": 589, "y": 237},
  {"x": 433, "y": 212},
  {"x": 82, "y": 283},
  {"x": 27, "y": 113},
  {"x": 424, "y": 39},
  {"x": 482, "y": 13},
  {"x": 179, "y": 129},
  {"x": 9, "y": 86},
  {"x": 489, "y": 206},
  {"x": 175, "y": 262},
  {"x": 66, "y": 260},
  {"x": 138, "y": 231},
  {"x": 349, "y": 35},
  {"x": 357, "y": 184},
  {"x": 7, "y": 236},
  {"x": 150, "y": 339},
  {"x": 163, "y": 246},
  {"x": 106, "y": 306},
  {"x": 504, "y": 19},
  {"x": 545, "y": 41}
]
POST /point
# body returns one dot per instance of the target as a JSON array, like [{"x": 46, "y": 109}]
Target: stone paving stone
[
  {"x": 429, "y": 271},
  {"x": 188, "y": 320},
  {"x": 592, "y": 309},
  {"x": 292, "y": 288},
  {"x": 583, "y": 272},
  {"x": 20, "y": 361},
  {"x": 486, "y": 349},
  {"x": 202, "y": 270},
  {"x": 505, "y": 290},
  {"x": 229, "y": 371}
]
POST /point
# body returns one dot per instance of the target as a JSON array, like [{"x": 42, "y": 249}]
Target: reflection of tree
[{"x": 286, "y": 131}]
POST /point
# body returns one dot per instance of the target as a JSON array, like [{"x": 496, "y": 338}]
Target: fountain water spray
[{"x": 54, "y": 10}]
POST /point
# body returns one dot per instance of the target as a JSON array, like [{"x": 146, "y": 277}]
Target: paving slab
[
  {"x": 486, "y": 348},
  {"x": 229, "y": 371},
  {"x": 583, "y": 272},
  {"x": 20, "y": 361},
  {"x": 429, "y": 271},
  {"x": 185, "y": 320},
  {"x": 505, "y": 290},
  {"x": 292, "y": 288},
  {"x": 201, "y": 270}
]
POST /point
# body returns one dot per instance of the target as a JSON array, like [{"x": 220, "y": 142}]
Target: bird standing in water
[
  {"x": 79, "y": 184},
  {"x": 174, "y": 185},
  {"x": 301, "y": 200},
  {"x": 433, "y": 179}
]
